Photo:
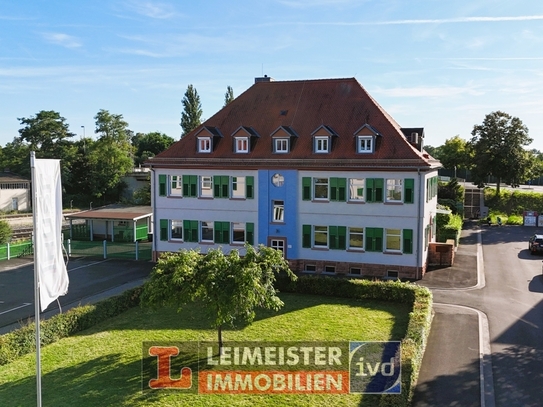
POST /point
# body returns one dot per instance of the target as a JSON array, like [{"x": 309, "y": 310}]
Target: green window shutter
[
  {"x": 225, "y": 184},
  {"x": 378, "y": 236},
  {"x": 162, "y": 185},
  {"x": 306, "y": 188},
  {"x": 408, "y": 241},
  {"x": 332, "y": 237},
  {"x": 409, "y": 190},
  {"x": 333, "y": 189},
  {"x": 226, "y": 232},
  {"x": 193, "y": 182},
  {"x": 190, "y": 230},
  {"x": 306, "y": 236},
  {"x": 216, "y": 186},
  {"x": 374, "y": 239},
  {"x": 222, "y": 232},
  {"x": 186, "y": 185},
  {"x": 249, "y": 233},
  {"x": 342, "y": 237},
  {"x": 370, "y": 190},
  {"x": 164, "y": 229},
  {"x": 342, "y": 189},
  {"x": 379, "y": 182},
  {"x": 249, "y": 187}
]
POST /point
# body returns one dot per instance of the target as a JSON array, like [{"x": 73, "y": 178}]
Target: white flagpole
[{"x": 36, "y": 280}]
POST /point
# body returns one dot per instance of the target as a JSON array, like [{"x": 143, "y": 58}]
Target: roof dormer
[
  {"x": 208, "y": 138},
  {"x": 323, "y": 139},
  {"x": 366, "y": 138},
  {"x": 283, "y": 139},
  {"x": 244, "y": 139}
]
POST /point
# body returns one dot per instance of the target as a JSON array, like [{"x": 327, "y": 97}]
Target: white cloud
[
  {"x": 63, "y": 40},
  {"x": 314, "y": 3},
  {"x": 152, "y": 9}
]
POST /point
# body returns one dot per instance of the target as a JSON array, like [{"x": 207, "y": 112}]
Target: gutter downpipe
[
  {"x": 421, "y": 197},
  {"x": 153, "y": 207}
]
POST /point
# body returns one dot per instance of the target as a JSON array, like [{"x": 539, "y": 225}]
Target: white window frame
[
  {"x": 394, "y": 186},
  {"x": 205, "y": 191},
  {"x": 281, "y": 145},
  {"x": 396, "y": 234},
  {"x": 238, "y": 227},
  {"x": 174, "y": 224},
  {"x": 356, "y": 231},
  {"x": 278, "y": 214},
  {"x": 365, "y": 144},
  {"x": 321, "y": 183},
  {"x": 207, "y": 223},
  {"x": 204, "y": 144},
  {"x": 178, "y": 190},
  {"x": 278, "y": 244},
  {"x": 242, "y": 144},
  {"x": 322, "y": 144},
  {"x": 321, "y": 230},
  {"x": 239, "y": 187},
  {"x": 354, "y": 185}
]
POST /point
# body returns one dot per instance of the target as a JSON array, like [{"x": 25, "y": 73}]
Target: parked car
[{"x": 535, "y": 244}]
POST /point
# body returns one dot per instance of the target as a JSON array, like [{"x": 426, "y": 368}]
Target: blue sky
[{"x": 441, "y": 65}]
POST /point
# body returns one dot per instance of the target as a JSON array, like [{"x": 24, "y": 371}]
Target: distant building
[
  {"x": 14, "y": 192},
  {"x": 314, "y": 168}
]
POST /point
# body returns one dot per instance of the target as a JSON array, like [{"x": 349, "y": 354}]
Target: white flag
[{"x": 49, "y": 262}]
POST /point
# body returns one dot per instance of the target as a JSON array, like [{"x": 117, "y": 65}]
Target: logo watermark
[{"x": 272, "y": 367}]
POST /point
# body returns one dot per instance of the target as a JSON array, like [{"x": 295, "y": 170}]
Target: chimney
[{"x": 265, "y": 78}]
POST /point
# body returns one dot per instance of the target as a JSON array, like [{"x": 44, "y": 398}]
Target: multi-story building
[{"x": 315, "y": 168}]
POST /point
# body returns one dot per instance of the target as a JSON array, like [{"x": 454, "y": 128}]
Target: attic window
[
  {"x": 204, "y": 144},
  {"x": 283, "y": 112},
  {"x": 242, "y": 144},
  {"x": 281, "y": 145},
  {"x": 365, "y": 144},
  {"x": 322, "y": 144}
]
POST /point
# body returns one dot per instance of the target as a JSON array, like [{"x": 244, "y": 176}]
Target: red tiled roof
[{"x": 342, "y": 105}]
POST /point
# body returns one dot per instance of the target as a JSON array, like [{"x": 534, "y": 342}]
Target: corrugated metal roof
[{"x": 113, "y": 212}]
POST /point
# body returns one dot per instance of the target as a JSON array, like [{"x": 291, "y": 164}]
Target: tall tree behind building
[
  {"x": 192, "y": 110},
  {"x": 497, "y": 147},
  {"x": 229, "y": 95}
]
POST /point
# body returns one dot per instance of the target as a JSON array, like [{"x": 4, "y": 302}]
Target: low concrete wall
[{"x": 441, "y": 254}]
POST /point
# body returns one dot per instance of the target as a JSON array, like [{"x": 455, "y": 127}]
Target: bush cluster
[
  {"x": 22, "y": 341},
  {"x": 418, "y": 328},
  {"x": 449, "y": 226},
  {"x": 513, "y": 202}
]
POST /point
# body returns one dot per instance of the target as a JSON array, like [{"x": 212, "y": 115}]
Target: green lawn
[{"x": 102, "y": 366}]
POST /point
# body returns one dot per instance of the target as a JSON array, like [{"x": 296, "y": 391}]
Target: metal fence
[
  {"x": 106, "y": 249},
  {"x": 17, "y": 249}
]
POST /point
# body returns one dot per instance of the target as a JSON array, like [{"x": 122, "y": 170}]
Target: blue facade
[{"x": 287, "y": 193}]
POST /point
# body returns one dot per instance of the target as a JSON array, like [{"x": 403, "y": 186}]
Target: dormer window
[
  {"x": 281, "y": 145},
  {"x": 322, "y": 144},
  {"x": 242, "y": 144},
  {"x": 204, "y": 144},
  {"x": 365, "y": 144}
]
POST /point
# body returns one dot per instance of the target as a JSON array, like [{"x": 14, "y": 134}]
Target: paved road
[
  {"x": 512, "y": 298},
  {"x": 87, "y": 278}
]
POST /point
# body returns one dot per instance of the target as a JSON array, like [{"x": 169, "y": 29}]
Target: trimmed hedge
[
  {"x": 23, "y": 340},
  {"x": 418, "y": 328}
]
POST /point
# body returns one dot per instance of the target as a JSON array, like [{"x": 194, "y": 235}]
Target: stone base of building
[{"x": 365, "y": 270}]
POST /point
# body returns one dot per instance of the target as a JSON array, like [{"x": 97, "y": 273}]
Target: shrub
[
  {"x": 22, "y": 341},
  {"x": 5, "y": 232},
  {"x": 418, "y": 328}
]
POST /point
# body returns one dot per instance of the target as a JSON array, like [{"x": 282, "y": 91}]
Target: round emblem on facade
[{"x": 278, "y": 180}]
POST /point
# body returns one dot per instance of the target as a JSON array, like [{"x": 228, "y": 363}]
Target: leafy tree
[
  {"x": 454, "y": 153},
  {"x": 192, "y": 112},
  {"x": 110, "y": 157},
  {"x": 498, "y": 150},
  {"x": 5, "y": 232},
  {"x": 44, "y": 131},
  {"x": 150, "y": 144},
  {"x": 142, "y": 195},
  {"x": 16, "y": 157},
  {"x": 229, "y": 287},
  {"x": 229, "y": 95},
  {"x": 433, "y": 151}
]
